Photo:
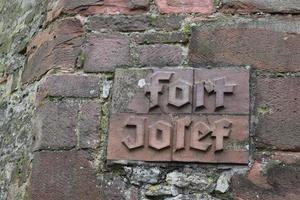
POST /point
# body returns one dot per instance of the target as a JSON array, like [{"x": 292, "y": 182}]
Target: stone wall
[{"x": 57, "y": 64}]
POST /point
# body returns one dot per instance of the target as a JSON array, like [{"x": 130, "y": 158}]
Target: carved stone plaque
[{"x": 182, "y": 115}]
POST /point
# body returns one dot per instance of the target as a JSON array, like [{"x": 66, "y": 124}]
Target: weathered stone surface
[
  {"x": 106, "y": 52},
  {"x": 63, "y": 175},
  {"x": 16, "y": 134},
  {"x": 86, "y": 86},
  {"x": 166, "y": 22},
  {"x": 282, "y": 180},
  {"x": 89, "y": 124},
  {"x": 269, "y": 6},
  {"x": 62, "y": 124},
  {"x": 114, "y": 187},
  {"x": 236, "y": 102},
  {"x": 183, "y": 185},
  {"x": 185, "y": 6},
  {"x": 192, "y": 196},
  {"x": 140, "y": 175},
  {"x": 128, "y": 92},
  {"x": 151, "y": 38},
  {"x": 267, "y": 44},
  {"x": 93, "y": 7},
  {"x": 286, "y": 157},
  {"x": 120, "y": 23},
  {"x": 161, "y": 190},
  {"x": 135, "y": 23},
  {"x": 159, "y": 55},
  {"x": 277, "y": 108},
  {"x": 56, "y": 47},
  {"x": 196, "y": 181},
  {"x": 55, "y": 125}
]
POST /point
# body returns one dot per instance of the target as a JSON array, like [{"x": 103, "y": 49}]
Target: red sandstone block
[
  {"x": 277, "y": 109},
  {"x": 56, "y": 47},
  {"x": 106, "y": 52},
  {"x": 65, "y": 124},
  {"x": 93, "y": 7},
  {"x": 185, "y": 6},
  {"x": 268, "y": 6},
  {"x": 86, "y": 86},
  {"x": 159, "y": 55},
  {"x": 55, "y": 125},
  {"x": 89, "y": 124},
  {"x": 272, "y": 181},
  {"x": 63, "y": 175},
  {"x": 267, "y": 44}
]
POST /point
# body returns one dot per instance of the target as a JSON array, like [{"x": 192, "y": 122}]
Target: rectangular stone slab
[
  {"x": 235, "y": 145},
  {"x": 181, "y": 115},
  {"x": 158, "y": 138},
  {"x": 236, "y": 102},
  {"x": 118, "y": 132}
]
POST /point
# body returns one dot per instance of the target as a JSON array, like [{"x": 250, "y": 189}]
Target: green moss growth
[{"x": 187, "y": 29}]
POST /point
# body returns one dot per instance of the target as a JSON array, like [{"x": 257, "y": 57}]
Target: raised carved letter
[
  {"x": 181, "y": 125},
  {"x": 160, "y": 135},
  {"x": 221, "y": 130},
  {"x": 136, "y": 139},
  {"x": 199, "y": 93},
  {"x": 179, "y": 93},
  {"x": 199, "y": 131},
  {"x": 220, "y": 88},
  {"x": 154, "y": 87}
]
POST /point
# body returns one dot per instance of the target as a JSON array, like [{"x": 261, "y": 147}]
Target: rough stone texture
[
  {"x": 15, "y": 143},
  {"x": 185, "y": 6},
  {"x": 55, "y": 125},
  {"x": 281, "y": 179},
  {"x": 87, "y": 86},
  {"x": 114, "y": 187},
  {"x": 273, "y": 174},
  {"x": 63, "y": 175},
  {"x": 128, "y": 94},
  {"x": 19, "y": 21},
  {"x": 277, "y": 109},
  {"x": 151, "y": 38},
  {"x": 267, "y": 44},
  {"x": 192, "y": 196},
  {"x": 89, "y": 124},
  {"x": 56, "y": 47},
  {"x": 65, "y": 124},
  {"x": 92, "y": 7},
  {"x": 106, "y": 52},
  {"x": 135, "y": 23},
  {"x": 159, "y": 55},
  {"x": 269, "y": 6},
  {"x": 140, "y": 175}
]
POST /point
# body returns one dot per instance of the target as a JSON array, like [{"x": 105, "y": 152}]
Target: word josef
[{"x": 160, "y": 133}]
